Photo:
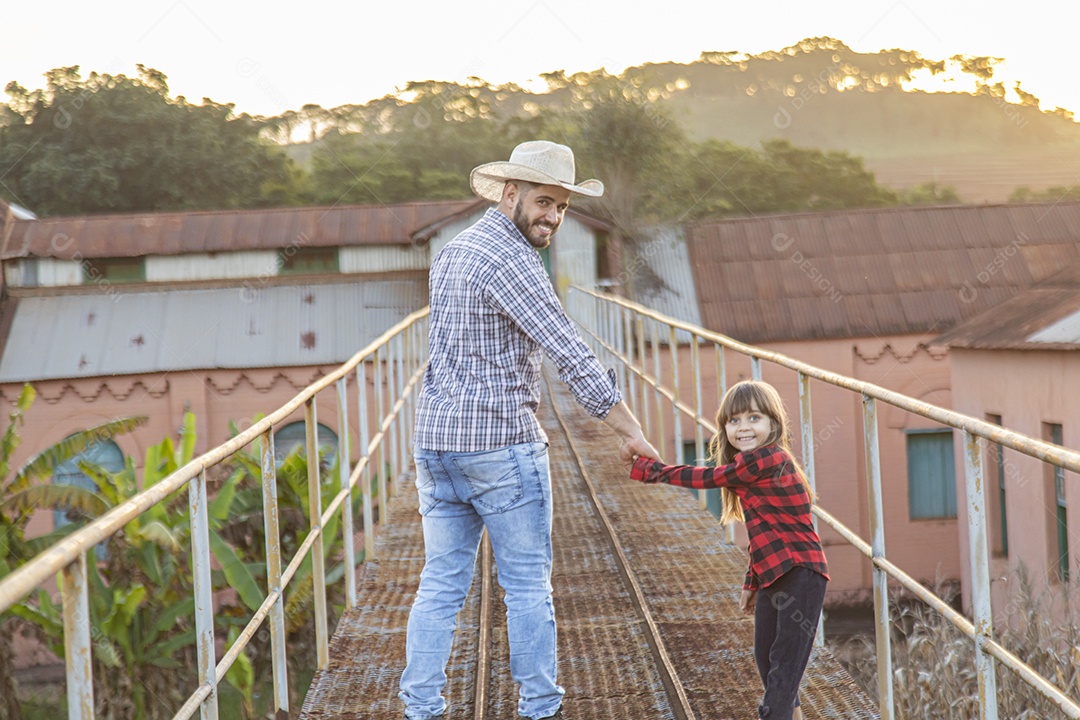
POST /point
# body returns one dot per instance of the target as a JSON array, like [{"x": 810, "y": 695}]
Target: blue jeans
[{"x": 508, "y": 491}]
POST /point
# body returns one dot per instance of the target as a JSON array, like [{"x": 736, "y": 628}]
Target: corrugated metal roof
[
  {"x": 660, "y": 276},
  {"x": 117, "y": 333},
  {"x": 132, "y": 235},
  {"x": 874, "y": 272},
  {"x": 1044, "y": 317}
]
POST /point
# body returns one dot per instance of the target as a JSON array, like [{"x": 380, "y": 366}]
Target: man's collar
[{"x": 495, "y": 215}]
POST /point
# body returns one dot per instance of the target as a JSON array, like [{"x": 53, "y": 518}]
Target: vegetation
[
  {"x": 934, "y": 674},
  {"x": 141, "y": 592},
  {"x": 730, "y": 134},
  {"x": 110, "y": 143},
  {"x": 19, "y": 496},
  {"x": 1056, "y": 193}
]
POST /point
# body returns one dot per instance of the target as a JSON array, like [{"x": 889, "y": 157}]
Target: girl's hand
[{"x": 748, "y": 601}]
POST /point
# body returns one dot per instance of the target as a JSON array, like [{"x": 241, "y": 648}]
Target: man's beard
[{"x": 523, "y": 225}]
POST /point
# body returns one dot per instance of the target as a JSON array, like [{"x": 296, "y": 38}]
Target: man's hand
[
  {"x": 632, "y": 441},
  {"x": 631, "y": 448},
  {"x": 748, "y": 601}
]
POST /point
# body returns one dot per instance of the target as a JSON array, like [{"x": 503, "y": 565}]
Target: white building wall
[
  {"x": 42, "y": 272},
  {"x": 573, "y": 253},
  {"x": 211, "y": 266},
  {"x": 451, "y": 231},
  {"x": 382, "y": 258}
]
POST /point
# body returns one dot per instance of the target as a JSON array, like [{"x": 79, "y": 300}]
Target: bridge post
[
  {"x": 380, "y": 417},
  {"x": 365, "y": 458},
  {"x": 699, "y": 432},
  {"x": 344, "y": 472},
  {"x": 975, "y": 492},
  {"x": 877, "y": 546},
  {"x": 279, "y": 663},
  {"x": 392, "y": 429},
  {"x": 721, "y": 391},
  {"x": 203, "y": 591},
  {"x": 676, "y": 430},
  {"x": 639, "y": 327},
  {"x": 77, "y": 657},
  {"x": 271, "y": 530},
  {"x": 318, "y": 571},
  {"x": 659, "y": 442},
  {"x": 806, "y": 421},
  {"x": 627, "y": 350}
]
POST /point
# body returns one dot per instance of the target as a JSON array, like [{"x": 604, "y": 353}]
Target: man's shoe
[{"x": 557, "y": 716}]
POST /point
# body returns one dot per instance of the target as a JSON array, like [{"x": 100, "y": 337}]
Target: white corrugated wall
[
  {"x": 215, "y": 266},
  {"x": 574, "y": 256},
  {"x": 382, "y": 258},
  {"x": 42, "y": 272}
]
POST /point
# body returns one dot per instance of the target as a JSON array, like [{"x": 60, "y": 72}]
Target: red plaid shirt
[{"x": 774, "y": 501}]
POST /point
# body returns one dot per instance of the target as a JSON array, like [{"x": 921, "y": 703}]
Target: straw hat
[{"x": 537, "y": 161}]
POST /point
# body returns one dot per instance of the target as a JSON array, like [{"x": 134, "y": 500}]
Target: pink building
[{"x": 1017, "y": 365}]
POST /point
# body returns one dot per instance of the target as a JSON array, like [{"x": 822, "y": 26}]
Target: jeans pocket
[
  {"x": 425, "y": 486},
  {"x": 493, "y": 477}
]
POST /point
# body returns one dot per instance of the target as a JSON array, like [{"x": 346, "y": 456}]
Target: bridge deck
[{"x": 690, "y": 577}]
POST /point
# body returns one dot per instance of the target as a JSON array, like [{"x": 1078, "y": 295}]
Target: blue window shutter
[{"x": 931, "y": 475}]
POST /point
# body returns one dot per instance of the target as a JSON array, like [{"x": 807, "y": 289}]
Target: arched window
[
  {"x": 293, "y": 436},
  {"x": 105, "y": 454}
]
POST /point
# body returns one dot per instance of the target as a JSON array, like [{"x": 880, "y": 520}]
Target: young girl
[{"x": 763, "y": 486}]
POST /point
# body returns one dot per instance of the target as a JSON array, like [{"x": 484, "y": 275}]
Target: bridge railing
[
  {"x": 397, "y": 360},
  {"x": 631, "y": 335}
]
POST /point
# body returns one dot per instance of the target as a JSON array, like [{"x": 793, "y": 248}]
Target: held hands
[
  {"x": 635, "y": 446},
  {"x": 748, "y": 601}
]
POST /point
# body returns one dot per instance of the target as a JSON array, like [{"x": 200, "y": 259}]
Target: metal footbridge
[{"x": 646, "y": 581}]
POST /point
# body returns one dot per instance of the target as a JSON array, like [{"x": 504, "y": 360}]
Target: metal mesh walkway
[{"x": 691, "y": 581}]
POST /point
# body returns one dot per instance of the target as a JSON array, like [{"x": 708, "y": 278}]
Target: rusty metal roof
[
  {"x": 1044, "y": 317},
  {"x": 126, "y": 330},
  {"x": 874, "y": 272},
  {"x": 174, "y": 233}
]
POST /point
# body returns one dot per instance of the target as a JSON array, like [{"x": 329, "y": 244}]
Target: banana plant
[
  {"x": 141, "y": 606},
  {"x": 21, "y": 493}
]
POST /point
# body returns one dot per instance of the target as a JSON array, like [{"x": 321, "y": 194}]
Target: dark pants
[{"x": 785, "y": 624}]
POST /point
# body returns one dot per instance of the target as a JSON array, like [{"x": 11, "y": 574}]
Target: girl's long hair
[{"x": 747, "y": 396}]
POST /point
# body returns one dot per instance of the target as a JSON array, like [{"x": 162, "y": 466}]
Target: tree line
[{"x": 112, "y": 143}]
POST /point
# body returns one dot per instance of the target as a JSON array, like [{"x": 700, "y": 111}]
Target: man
[{"x": 481, "y": 456}]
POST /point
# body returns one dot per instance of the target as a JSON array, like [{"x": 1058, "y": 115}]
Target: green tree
[
  {"x": 110, "y": 143},
  {"x": 1056, "y": 193},
  {"x": 929, "y": 193},
  {"x": 20, "y": 496}
]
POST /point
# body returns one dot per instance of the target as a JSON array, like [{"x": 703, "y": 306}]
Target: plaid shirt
[
  {"x": 774, "y": 501},
  {"x": 493, "y": 311}
]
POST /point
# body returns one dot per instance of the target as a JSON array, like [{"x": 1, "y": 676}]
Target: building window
[
  {"x": 931, "y": 475},
  {"x": 309, "y": 260},
  {"x": 1053, "y": 433},
  {"x": 105, "y": 454},
  {"x": 994, "y": 475},
  {"x": 293, "y": 437},
  {"x": 113, "y": 270}
]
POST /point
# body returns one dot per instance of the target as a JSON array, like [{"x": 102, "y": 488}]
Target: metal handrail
[
  {"x": 618, "y": 326},
  {"x": 402, "y": 352}
]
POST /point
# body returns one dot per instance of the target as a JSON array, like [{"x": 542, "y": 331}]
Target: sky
[{"x": 267, "y": 57}]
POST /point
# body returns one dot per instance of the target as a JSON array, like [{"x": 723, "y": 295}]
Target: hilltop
[{"x": 817, "y": 93}]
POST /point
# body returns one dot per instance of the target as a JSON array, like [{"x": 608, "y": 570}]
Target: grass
[{"x": 934, "y": 675}]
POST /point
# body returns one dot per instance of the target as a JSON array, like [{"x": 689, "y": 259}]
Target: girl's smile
[{"x": 748, "y": 430}]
